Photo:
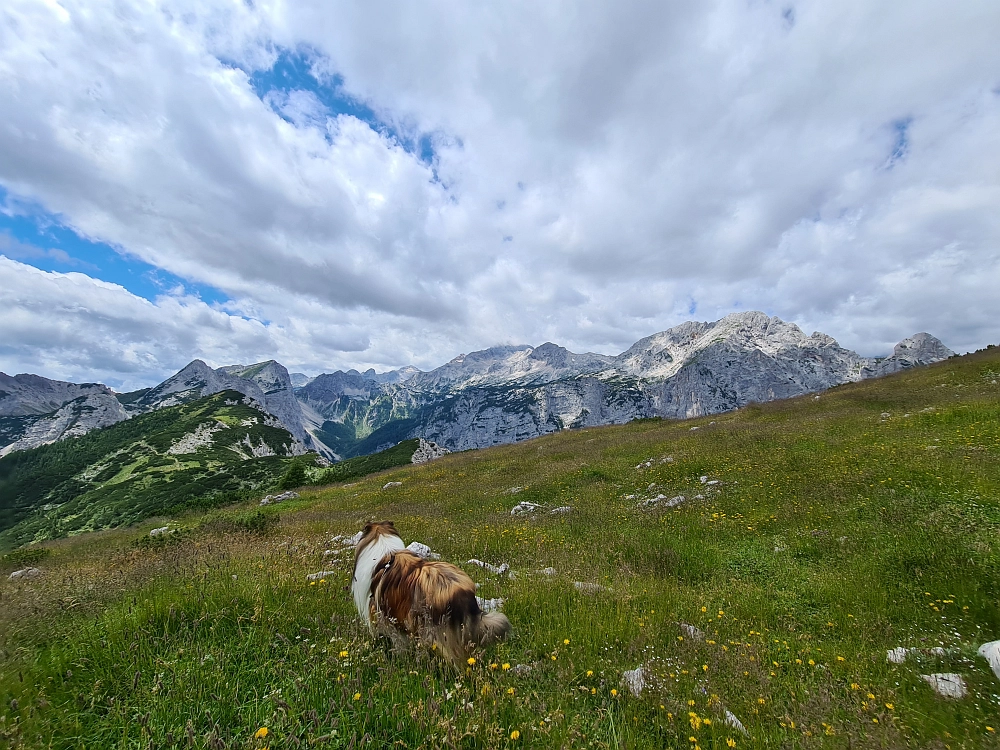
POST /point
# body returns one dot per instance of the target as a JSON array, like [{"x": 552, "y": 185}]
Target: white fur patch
[{"x": 367, "y": 560}]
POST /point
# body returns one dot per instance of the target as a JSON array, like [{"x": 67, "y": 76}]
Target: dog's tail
[{"x": 493, "y": 627}]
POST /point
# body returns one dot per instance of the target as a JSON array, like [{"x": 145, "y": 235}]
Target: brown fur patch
[{"x": 430, "y": 601}]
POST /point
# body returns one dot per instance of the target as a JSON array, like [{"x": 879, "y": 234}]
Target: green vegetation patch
[{"x": 814, "y": 536}]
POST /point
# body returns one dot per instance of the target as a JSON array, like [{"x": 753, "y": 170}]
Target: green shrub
[{"x": 26, "y": 556}]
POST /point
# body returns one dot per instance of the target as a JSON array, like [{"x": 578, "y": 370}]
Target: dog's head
[{"x": 377, "y": 528}]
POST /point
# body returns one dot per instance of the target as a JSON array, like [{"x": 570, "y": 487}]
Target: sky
[{"x": 379, "y": 184}]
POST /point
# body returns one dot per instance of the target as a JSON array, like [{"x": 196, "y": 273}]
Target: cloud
[
  {"x": 14, "y": 248},
  {"x": 598, "y": 171}
]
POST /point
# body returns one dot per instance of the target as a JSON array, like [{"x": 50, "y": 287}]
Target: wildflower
[
  {"x": 761, "y": 701},
  {"x": 312, "y": 583},
  {"x": 593, "y": 691},
  {"x": 990, "y": 729},
  {"x": 812, "y": 663},
  {"x": 704, "y": 609},
  {"x": 471, "y": 661},
  {"x": 493, "y": 665},
  {"x": 515, "y": 735},
  {"x": 889, "y": 706},
  {"x": 565, "y": 641},
  {"x": 613, "y": 692},
  {"x": 730, "y": 742},
  {"x": 510, "y": 691},
  {"x": 357, "y": 696},
  {"x": 260, "y": 733},
  {"x": 343, "y": 654},
  {"x": 505, "y": 667},
  {"x": 871, "y": 696},
  {"x": 590, "y": 673},
  {"x": 840, "y": 658},
  {"x": 798, "y": 661},
  {"x": 855, "y": 686},
  {"x": 690, "y": 702}
]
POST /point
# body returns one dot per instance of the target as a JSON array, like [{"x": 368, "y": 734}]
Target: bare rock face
[
  {"x": 77, "y": 417},
  {"x": 919, "y": 349},
  {"x": 427, "y": 451}
]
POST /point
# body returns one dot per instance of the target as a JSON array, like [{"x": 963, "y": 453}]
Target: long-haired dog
[{"x": 407, "y": 597}]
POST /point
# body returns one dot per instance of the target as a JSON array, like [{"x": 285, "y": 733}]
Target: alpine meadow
[{"x": 796, "y": 574}]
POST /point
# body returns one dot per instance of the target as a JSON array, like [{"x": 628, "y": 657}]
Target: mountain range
[{"x": 498, "y": 395}]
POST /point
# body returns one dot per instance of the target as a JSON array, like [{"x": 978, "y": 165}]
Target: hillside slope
[
  {"x": 814, "y": 536},
  {"x": 145, "y": 466}
]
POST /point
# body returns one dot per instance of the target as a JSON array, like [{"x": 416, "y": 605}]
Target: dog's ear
[
  {"x": 368, "y": 527},
  {"x": 391, "y": 525}
]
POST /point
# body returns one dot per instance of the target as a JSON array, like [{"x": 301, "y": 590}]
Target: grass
[{"x": 835, "y": 534}]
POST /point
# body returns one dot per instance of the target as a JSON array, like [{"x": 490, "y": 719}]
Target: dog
[{"x": 408, "y": 598}]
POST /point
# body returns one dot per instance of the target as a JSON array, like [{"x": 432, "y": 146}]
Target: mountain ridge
[{"x": 495, "y": 395}]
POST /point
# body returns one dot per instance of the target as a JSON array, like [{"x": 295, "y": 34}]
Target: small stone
[
  {"x": 548, "y": 571},
  {"x": 588, "y": 588},
  {"x": 695, "y": 428},
  {"x": 320, "y": 574},
  {"x": 422, "y": 551},
  {"x": 692, "y": 632},
  {"x": 490, "y": 605},
  {"x": 524, "y": 508},
  {"x": 896, "y": 655},
  {"x": 635, "y": 680},
  {"x": 561, "y": 509},
  {"x": 498, "y": 569},
  {"x": 160, "y": 531},
  {"x": 24, "y": 574},
  {"x": 703, "y": 479},
  {"x": 735, "y": 723},
  {"x": 991, "y": 652},
  {"x": 946, "y": 684},
  {"x": 387, "y": 485}
]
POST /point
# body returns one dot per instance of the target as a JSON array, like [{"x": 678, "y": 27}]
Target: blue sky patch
[
  {"x": 901, "y": 142},
  {"x": 37, "y": 238},
  {"x": 294, "y": 70}
]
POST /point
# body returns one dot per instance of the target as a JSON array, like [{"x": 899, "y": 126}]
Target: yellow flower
[
  {"x": 260, "y": 733},
  {"x": 704, "y": 609},
  {"x": 590, "y": 673},
  {"x": 506, "y": 666},
  {"x": 812, "y": 663},
  {"x": 493, "y": 665},
  {"x": 840, "y": 658},
  {"x": 357, "y": 696},
  {"x": 613, "y": 692},
  {"x": 855, "y": 686},
  {"x": 312, "y": 583},
  {"x": 593, "y": 691},
  {"x": 704, "y": 667},
  {"x": 889, "y": 706},
  {"x": 471, "y": 661},
  {"x": 990, "y": 729},
  {"x": 565, "y": 641},
  {"x": 510, "y": 691},
  {"x": 730, "y": 742},
  {"x": 343, "y": 654},
  {"x": 515, "y": 735},
  {"x": 690, "y": 703}
]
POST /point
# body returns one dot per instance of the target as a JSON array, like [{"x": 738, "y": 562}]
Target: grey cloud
[{"x": 649, "y": 158}]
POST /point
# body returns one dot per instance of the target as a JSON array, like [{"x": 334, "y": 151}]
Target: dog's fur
[{"x": 407, "y": 597}]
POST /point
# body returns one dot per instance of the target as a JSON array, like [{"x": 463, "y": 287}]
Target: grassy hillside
[
  {"x": 137, "y": 469},
  {"x": 842, "y": 526}
]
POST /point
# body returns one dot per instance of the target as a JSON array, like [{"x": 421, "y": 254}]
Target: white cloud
[{"x": 600, "y": 170}]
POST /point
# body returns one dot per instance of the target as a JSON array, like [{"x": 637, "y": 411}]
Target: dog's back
[{"x": 436, "y": 603}]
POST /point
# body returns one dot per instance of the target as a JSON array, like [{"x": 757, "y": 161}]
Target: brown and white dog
[{"x": 407, "y": 597}]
